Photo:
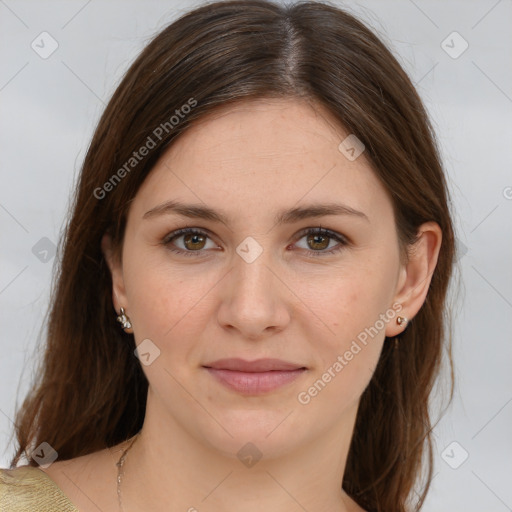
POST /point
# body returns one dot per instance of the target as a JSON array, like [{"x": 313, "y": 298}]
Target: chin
[{"x": 270, "y": 432}]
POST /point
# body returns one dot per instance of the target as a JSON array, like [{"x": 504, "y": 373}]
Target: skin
[{"x": 251, "y": 161}]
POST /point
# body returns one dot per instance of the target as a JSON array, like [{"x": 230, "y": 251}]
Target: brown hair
[{"x": 90, "y": 392}]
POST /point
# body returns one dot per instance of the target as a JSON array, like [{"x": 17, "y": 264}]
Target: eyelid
[
  {"x": 323, "y": 231},
  {"x": 186, "y": 230},
  {"x": 342, "y": 240}
]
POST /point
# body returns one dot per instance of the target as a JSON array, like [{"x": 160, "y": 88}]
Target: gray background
[{"x": 48, "y": 110}]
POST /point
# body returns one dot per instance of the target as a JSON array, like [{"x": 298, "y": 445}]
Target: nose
[{"x": 255, "y": 303}]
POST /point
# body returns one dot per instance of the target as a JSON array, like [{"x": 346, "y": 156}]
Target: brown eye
[
  {"x": 194, "y": 241},
  {"x": 189, "y": 242},
  {"x": 318, "y": 242},
  {"x": 321, "y": 241}
]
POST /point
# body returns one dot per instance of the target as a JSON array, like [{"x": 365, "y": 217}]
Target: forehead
[
  {"x": 259, "y": 155},
  {"x": 262, "y": 130}
]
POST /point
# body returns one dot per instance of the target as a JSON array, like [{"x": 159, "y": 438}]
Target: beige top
[{"x": 29, "y": 489}]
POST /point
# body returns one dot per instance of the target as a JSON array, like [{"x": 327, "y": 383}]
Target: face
[{"x": 284, "y": 275}]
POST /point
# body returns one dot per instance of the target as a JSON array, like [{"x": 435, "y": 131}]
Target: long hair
[{"x": 90, "y": 391}]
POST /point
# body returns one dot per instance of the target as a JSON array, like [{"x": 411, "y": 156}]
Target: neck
[{"x": 168, "y": 467}]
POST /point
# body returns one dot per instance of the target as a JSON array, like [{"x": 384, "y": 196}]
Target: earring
[
  {"x": 124, "y": 321},
  {"x": 401, "y": 320}
]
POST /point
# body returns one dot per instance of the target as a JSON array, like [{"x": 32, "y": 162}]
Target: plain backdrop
[{"x": 459, "y": 55}]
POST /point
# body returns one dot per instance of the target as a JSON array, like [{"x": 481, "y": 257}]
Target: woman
[{"x": 250, "y": 309}]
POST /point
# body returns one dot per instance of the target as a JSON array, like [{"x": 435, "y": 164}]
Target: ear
[
  {"x": 416, "y": 274},
  {"x": 119, "y": 298}
]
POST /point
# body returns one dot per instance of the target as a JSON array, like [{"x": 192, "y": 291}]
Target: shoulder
[{"x": 29, "y": 489}]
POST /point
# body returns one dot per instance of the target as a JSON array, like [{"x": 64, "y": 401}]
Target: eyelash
[{"x": 309, "y": 231}]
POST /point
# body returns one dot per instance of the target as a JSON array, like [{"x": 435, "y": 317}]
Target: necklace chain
[{"x": 120, "y": 471}]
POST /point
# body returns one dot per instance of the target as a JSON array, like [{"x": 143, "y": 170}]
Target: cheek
[
  {"x": 347, "y": 353},
  {"x": 346, "y": 327},
  {"x": 346, "y": 301},
  {"x": 168, "y": 304},
  {"x": 336, "y": 390}
]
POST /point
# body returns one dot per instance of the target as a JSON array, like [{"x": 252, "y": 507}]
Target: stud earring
[
  {"x": 123, "y": 319},
  {"x": 401, "y": 320}
]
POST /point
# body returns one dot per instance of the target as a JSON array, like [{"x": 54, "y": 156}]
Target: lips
[
  {"x": 254, "y": 377},
  {"x": 257, "y": 366}
]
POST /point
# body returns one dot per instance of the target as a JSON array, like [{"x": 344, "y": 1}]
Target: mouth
[{"x": 254, "y": 377}]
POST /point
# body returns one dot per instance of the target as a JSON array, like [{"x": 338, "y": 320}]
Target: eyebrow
[{"x": 289, "y": 216}]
